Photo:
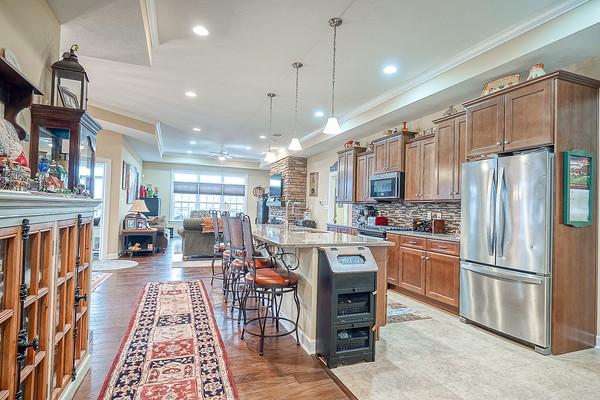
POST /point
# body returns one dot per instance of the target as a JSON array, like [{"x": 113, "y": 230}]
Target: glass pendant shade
[
  {"x": 270, "y": 157},
  {"x": 295, "y": 145},
  {"x": 332, "y": 127}
]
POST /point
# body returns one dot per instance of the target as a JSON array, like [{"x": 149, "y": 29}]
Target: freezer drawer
[{"x": 513, "y": 303}]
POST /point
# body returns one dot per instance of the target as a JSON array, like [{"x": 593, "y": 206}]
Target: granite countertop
[
  {"x": 427, "y": 235},
  {"x": 297, "y": 237}
]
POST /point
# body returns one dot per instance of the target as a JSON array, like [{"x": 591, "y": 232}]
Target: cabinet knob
[
  {"x": 422, "y": 257},
  {"x": 451, "y": 193},
  {"x": 498, "y": 143},
  {"x": 427, "y": 258},
  {"x": 506, "y": 142}
]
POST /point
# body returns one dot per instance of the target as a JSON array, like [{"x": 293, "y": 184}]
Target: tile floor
[{"x": 442, "y": 358}]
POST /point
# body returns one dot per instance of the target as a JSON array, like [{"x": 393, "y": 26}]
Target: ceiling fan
[{"x": 222, "y": 155}]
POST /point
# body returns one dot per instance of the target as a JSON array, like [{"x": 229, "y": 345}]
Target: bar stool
[
  {"x": 226, "y": 257},
  {"x": 269, "y": 285},
  {"x": 218, "y": 248}
]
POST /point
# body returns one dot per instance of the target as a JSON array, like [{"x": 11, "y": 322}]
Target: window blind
[{"x": 209, "y": 188}]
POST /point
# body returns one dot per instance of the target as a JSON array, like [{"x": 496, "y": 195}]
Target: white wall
[{"x": 160, "y": 174}]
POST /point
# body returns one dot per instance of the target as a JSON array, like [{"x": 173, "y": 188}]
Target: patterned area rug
[
  {"x": 398, "y": 312},
  {"x": 173, "y": 349}
]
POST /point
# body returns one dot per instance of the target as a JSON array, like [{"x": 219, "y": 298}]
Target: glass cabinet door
[
  {"x": 53, "y": 150},
  {"x": 86, "y": 162},
  {"x": 9, "y": 308}
]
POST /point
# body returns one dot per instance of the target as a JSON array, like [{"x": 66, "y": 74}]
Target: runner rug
[{"x": 172, "y": 349}]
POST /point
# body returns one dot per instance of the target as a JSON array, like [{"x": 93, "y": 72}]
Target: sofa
[{"x": 197, "y": 236}]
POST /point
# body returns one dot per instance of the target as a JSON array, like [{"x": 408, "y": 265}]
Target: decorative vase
[
  {"x": 536, "y": 71},
  {"x": 404, "y": 127}
]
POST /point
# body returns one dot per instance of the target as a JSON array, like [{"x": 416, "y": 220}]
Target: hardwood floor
[{"x": 285, "y": 371}]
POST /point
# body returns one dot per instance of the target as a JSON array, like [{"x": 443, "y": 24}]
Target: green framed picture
[{"x": 578, "y": 175}]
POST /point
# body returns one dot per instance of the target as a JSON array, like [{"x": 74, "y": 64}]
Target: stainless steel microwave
[{"x": 389, "y": 186}]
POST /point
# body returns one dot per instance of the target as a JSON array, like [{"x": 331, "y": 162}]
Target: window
[{"x": 198, "y": 191}]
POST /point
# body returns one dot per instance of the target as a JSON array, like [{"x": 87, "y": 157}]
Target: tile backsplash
[{"x": 402, "y": 214}]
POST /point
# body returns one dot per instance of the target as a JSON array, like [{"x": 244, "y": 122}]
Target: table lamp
[{"x": 139, "y": 207}]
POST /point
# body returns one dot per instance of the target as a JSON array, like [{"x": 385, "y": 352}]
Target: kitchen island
[{"x": 304, "y": 243}]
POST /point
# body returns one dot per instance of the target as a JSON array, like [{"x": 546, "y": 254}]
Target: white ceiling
[{"x": 250, "y": 50}]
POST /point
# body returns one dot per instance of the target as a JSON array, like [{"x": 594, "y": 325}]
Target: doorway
[{"x": 101, "y": 190}]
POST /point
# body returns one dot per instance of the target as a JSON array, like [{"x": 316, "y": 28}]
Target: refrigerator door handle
[
  {"x": 492, "y": 211},
  {"x": 501, "y": 224},
  {"x": 514, "y": 276}
]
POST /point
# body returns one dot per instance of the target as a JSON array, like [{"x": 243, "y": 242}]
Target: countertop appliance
[
  {"x": 506, "y": 245},
  {"x": 346, "y": 305},
  {"x": 387, "y": 187},
  {"x": 377, "y": 220}
]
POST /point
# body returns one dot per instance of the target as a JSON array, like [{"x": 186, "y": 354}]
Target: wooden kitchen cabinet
[
  {"x": 426, "y": 268},
  {"x": 485, "y": 126},
  {"x": 347, "y": 174},
  {"x": 528, "y": 116},
  {"x": 442, "y": 278},
  {"x": 449, "y": 155},
  {"x": 389, "y": 153},
  {"x": 517, "y": 118},
  {"x": 365, "y": 164},
  {"x": 411, "y": 269},
  {"x": 393, "y": 263},
  {"x": 421, "y": 172}
]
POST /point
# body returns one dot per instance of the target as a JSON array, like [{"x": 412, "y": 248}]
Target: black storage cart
[{"x": 346, "y": 305}]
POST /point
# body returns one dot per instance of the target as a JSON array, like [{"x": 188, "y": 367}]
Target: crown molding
[{"x": 482, "y": 47}]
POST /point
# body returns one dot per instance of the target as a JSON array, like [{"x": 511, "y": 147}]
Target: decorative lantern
[{"x": 69, "y": 81}]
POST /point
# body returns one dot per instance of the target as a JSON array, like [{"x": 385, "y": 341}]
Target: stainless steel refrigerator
[{"x": 506, "y": 245}]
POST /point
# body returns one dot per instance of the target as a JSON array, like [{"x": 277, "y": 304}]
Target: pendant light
[
  {"x": 333, "y": 127},
  {"x": 295, "y": 143},
  {"x": 270, "y": 157}
]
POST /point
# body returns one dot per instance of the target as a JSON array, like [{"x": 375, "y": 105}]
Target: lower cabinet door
[
  {"x": 412, "y": 270},
  {"x": 442, "y": 278},
  {"x": 393, "y": 261}
]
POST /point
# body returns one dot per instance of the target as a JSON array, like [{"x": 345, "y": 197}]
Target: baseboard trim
[
  {"x": 308, "y": 345},
  {"x": 82, "y": 370},
  {"x": 598, "y": 342}
]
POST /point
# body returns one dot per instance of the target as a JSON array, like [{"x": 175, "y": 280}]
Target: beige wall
[
  {"x": 160, "y": 174},
  {"x": 116, "y": 148}
]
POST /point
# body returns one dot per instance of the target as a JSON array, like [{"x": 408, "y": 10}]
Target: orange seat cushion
[
  {"x": 258, "y": 263},
  {"x": 272, "y": 278}
]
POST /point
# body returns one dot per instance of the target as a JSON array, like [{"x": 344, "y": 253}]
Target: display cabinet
[
  {"x": 45, "y": 253},
  {"x": 66, "y": 138}
]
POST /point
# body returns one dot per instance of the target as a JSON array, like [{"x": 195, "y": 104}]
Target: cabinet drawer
[
  {"x": 443, "y": 246},
  {"x": 414, "y": 242}
]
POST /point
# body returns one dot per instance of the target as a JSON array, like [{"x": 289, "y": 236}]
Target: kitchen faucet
[{"x": 287, "y": 213}]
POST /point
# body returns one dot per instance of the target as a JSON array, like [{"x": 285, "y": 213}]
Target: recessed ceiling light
[
  {"x": 200, "y": 30},
  {"x": 192, "y": 142},
  {"x": 390, "y": 69},
  {"x": 319, "y": 114},
  {"x": 189, "y": 152},
  {"x": 189, "y": 93},
  {"x": 222, "y": 158},
  {"x": 196, "y": 129},
  {"x": 248, "y": 147},
  {"x": 262, "y": 137}
]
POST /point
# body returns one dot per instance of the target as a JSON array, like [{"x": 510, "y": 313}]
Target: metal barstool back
[{"x": 218, "y": 248}]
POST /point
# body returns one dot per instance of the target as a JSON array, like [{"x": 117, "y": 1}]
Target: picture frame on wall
[
  {"x": 313, "y": 184},
  {"x": 132, "y": 184},
  {"x": 578, "y": 188}
]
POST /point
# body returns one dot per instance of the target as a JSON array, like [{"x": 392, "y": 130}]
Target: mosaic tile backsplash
[{"x": 402, "y": 214}]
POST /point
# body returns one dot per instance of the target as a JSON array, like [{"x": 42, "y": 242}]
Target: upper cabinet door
[
  {"x": 395, "y": 156},
  {"x": 350, "y": 182},
  {"x": 528, "y": 116},
  {"x": 428, "y": 169},
  {"x": 361, "y": 179},
  {"x": 485, "y": 127},
  {"x": 341, "y": 189},
  {"x": 460, "y": 139},
  {"x": 370, "y": 168},
  {"x": 380, "y": 150},
  {"x": 444, "y": 154},
  {"x": 412, "y": 183}
]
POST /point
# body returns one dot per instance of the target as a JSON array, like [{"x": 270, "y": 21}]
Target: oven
[{"x": 389, "y": 186}]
